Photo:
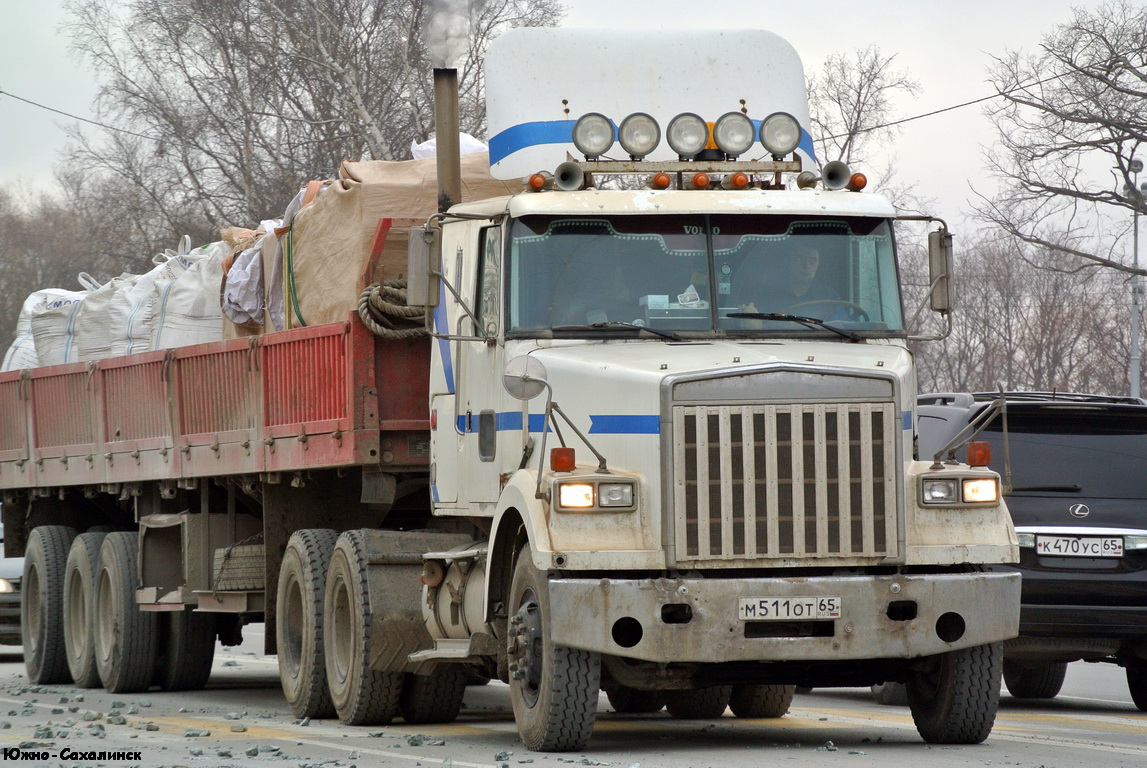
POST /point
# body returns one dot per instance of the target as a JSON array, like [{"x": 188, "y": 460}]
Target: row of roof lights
[{"x": 688, "y": 134}]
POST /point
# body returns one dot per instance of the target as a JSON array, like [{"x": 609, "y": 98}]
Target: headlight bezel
[
  {"x": 769, "y": 129},
  {"x": 588, "y": 122},
  {"x": 964, "y": 490},
  {"x": 637, "y": 122},
  {"x": 566, "y": 489}
]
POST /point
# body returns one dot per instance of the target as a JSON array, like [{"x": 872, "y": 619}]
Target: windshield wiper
[
  {"x": 1050, "y": 488},
  {"x": 810, "y": 322},
  {"x": 618, "y": 324}
]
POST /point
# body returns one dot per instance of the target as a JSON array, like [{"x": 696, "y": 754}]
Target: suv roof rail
[
  {"x": 961, "y": 399},
  {"x": 1072, "y": 397}
]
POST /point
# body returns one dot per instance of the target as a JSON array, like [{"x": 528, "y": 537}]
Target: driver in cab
[{"x": 787, "y": 285}]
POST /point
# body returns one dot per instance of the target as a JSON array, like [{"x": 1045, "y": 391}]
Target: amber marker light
[
  {"x": 700, "y": 180},
  {"x": 562, "y": 459},
  {"x": 979, "y": 454},
  {"x": 738, "y": 180},
  {"x": 661, "y": 180},
  {"x": 857, "y": 182},
  {"x": 540, "y": 181}
]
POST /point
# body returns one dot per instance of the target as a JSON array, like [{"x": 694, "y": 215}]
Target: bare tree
[
  {"x": 226, "y": 107},
  {"x": 1071, "y": 120}
]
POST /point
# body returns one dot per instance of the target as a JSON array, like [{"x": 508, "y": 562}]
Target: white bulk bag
[
  {"x": 187, "y": 307},
  {"x": 22, "y": 353},
  {"x": 54, "y": 323}
]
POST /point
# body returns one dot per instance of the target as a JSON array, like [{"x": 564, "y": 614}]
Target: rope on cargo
[{"x": 384, "y": 311}]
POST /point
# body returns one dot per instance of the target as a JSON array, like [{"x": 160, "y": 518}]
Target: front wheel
[
  {"x": 955, "y": 700},
  {"x": 553, "y": 689},
  {"x": 1137, "y": 682}
]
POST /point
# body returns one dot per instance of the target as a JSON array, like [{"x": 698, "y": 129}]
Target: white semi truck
[{"x": 659, "y": 441}]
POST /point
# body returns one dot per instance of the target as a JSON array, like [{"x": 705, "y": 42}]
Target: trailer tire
[
  {"x": 361, "y": 695},
  {"x": 955, "y": 701},
  {"x": 434, "y": 698},
  {"x": 299, "y": 621},
  {"x": 633, "y": 701},
  {"x": 553, "y": 689},
  {"x": 699, "y": 704},
  {"x": 42, "y": 604},
  {"x": 1036, "y": 680},
  {"x": 126, "y": 637},
  {"x": 184, "y": 663},
  {"x": 757, "y": 701},
  {"x": 1137, "y": 682},
  {"x": 80, "y": 580}
]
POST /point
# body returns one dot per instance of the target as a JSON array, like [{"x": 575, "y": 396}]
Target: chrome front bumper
[{"x": 696, "y": 620}]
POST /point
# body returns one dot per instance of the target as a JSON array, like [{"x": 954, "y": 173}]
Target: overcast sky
[{"x": 946, "y": 46}]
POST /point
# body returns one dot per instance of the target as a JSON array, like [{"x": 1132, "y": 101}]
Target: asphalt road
[{"x": 240, "y": 719}]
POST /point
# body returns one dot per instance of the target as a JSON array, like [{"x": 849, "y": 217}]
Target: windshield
[
  {"x": 1093, "y": 453},
  {"x": 702, "y": 274}
]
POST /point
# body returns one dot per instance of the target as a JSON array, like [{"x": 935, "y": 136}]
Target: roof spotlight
[
  {"x": 780, "y": 134},
  {"x": 639, "y": 135},
  {"x": 687, "y": 134},
  {"x": 593, "y": 135},
  {"x": 733, "y": 133}
]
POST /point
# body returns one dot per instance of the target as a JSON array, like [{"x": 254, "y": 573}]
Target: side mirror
[
  {"x": 940, "y": 269},
  {"x": 423, "y": 266}
]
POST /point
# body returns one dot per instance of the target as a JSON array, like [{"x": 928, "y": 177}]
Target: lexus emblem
[{"x": 1079, "y": 510}]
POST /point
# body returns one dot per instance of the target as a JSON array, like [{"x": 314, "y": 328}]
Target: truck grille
[{"x": 806, "y": 481}]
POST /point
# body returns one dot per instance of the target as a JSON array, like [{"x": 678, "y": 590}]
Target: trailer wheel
[
  {"x": 955, "y": 701},
  {"x": 626, "y": 700},
  {"x": 80, "y": 576},
  {"x": 1137, "y": 682},
  {"x": 434, "y": 698},
  {"x": 361, "y": 695},
  {"x": 42, "y": 604},
  {"x": 1034, "y": 681},
  {"x": 299, "y": 622},
  {"x": 756, "y": 701},
  {"x": 184, "y": 664},
  {"x": 553, "y": 689},
  {"x": 126, "y": 637},
  {"x": 699, "y": 704}
]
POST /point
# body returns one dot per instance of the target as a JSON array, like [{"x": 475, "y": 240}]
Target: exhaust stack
[{"x": 446, "y": 133}]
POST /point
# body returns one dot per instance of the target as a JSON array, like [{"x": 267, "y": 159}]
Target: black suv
[{"x": 1074, "y": 469}]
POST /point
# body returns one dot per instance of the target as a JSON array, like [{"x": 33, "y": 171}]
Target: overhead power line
[{"x": 77, "y": 117}]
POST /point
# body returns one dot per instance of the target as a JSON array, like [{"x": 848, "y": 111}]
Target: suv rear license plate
[
  {"x": 788, "y": 608},
  {"x": 1079, "y": 546}
]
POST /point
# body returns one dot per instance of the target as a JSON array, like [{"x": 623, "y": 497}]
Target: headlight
[
  {"x": 981, "y": 490},
  {"x": 1026, "y": 540},
  {"x": 941, "y": 491},
  {"x": 780, "y": 134},
  {"x": 575, "y": 495},
  {"x": 733, "y": 133},
  {"x": 687, "y": 134},
  {"x": 593, "y": 135},
  {"x": 639, "y": 135},
  {"x": 595, "y": 495},
  {"x": 615, "y": 494},
  {"x": 6, "y": 587}
]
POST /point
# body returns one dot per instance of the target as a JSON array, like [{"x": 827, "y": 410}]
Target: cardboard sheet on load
[{"x": 332, "y": 236}]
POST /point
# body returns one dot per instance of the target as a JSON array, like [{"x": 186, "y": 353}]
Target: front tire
[
  {"x": 1034, "y": 681},
  {"x": 553, "y": 689},
  {"x": 42, "y": 606},
  {"x": 80, "y": 580},
  {"x": 757, "y": 701},
  {"x": 299, "y": 622},
  {"x": 955, "y": 702},
  {"x": 1137, "y": 682},
  {"x": 699, "y": 704},
  {"x": 361, "y": 695},
  {"x": 126, "y": 637}
]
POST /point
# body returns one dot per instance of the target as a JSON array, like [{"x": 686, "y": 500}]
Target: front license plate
[
  {"x": 1079, "y": 546},
  {"x": 787, "y": 608}
]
